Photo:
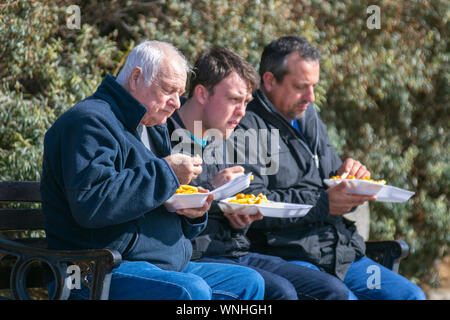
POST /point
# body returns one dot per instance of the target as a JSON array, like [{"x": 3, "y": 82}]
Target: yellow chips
[
  {"x": 249, "y": 199},
  {"x": 365, "y": 178},
  {"x": 186, "y": 189}
]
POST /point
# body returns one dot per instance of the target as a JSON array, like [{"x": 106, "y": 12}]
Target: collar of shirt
[
  {"x": 294, "y": 123},
  {"x": 143, "y": 134}
]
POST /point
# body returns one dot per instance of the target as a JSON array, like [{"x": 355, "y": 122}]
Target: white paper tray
[
  {"x": 271, "y": 209},
  {"x": 384, "y": 193},
  {"x": 196, "y": 200},
  {"x": 185, "y": 201}
]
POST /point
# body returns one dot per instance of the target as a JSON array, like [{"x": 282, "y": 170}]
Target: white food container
[{"x": 383, "y": 192}]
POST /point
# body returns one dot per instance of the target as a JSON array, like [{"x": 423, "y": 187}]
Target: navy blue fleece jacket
[{"x": 102, "y": 188}]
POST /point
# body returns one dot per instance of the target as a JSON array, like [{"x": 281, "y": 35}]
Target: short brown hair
[{"x": 217, "y": 64}]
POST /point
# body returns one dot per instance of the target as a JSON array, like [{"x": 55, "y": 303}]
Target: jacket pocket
[{"x": 131, "y": 244}]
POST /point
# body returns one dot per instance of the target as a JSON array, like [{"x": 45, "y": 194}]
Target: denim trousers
[
  {"x": 288, "y": 281},
  {"x": 140, "y": 280},
  {"x": 368, "y": 280}
]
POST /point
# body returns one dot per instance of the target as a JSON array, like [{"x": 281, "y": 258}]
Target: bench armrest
[
  {"x": 388, "y": 253},
  {"x": 95, "y": 268}
]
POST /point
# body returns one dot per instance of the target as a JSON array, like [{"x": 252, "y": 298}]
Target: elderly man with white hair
[{"x": 107, "y": 171}]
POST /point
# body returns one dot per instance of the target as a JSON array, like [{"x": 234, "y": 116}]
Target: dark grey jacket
[{"x": 301, "y": 162}]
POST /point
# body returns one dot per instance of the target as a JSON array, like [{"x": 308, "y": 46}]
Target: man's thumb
[
  {"x": 341, "y": 186},
  {"x": 237, "y": 169}
]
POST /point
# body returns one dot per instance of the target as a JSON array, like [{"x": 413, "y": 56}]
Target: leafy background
[{"x": 383, "y": 92}]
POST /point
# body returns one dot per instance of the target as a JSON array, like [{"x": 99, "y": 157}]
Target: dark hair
[
  {"x": 217, "y": 64},
  {"x": 273, "y": 58}
]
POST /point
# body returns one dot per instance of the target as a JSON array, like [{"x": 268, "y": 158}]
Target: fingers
[
  {"x": 185, "y": 167},
  {"x": 239, "y": 221},
  {"x": 226, "y": 175},
  {"x": 354, "y": 200},
  {"x": 340, "y": 187},
  {"x": 258, "y": 216},
  {"x": 202, "y": 190},
  {"x": 346, "y": 166},
  {"x": 351, "y": 199},
  {"x": 229, "y": 174},
  {"x": 236, "y": 169},
  {"x": 354, "y": 168},
  {"x": 196, "y": 170},
  {"x": 341, "y": 202},
  {"x": 362, "y": 172},
  {"x": 197, "y": 212},
  {"x": 197, "y": 160},
  {"x": 346, "y": 204}
]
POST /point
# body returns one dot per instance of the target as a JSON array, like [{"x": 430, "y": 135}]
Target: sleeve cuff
[
  {"x": 197, "y": 221},
  {"x": 171, "y": 171}
]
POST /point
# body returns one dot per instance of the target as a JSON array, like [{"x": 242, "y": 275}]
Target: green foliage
[
  {"x": 44, "y": 69},
  {"x": 383, "y": 92}
]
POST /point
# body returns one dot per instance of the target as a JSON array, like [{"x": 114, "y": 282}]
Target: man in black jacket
[
  {"x": 219, "y": 91},
  {"x": 293, "y": 170}
]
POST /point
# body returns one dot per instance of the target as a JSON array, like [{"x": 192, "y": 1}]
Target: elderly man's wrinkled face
[
  {"x": 295, "y": 91},
  {"x": 162, "y": 97}
]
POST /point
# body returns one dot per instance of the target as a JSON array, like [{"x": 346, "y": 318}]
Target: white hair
[{"x": 148, "y": 56}]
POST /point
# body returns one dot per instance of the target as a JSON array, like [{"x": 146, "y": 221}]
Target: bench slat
[
  {"x": 21, "y": 219},
  {"x": 20, "y": 191}
]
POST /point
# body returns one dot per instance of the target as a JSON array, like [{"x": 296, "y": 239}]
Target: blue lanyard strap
[{"x": 202, "y": 142}]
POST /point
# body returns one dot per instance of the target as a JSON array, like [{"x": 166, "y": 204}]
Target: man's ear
[
  {"x": 134, "y": 79},
  {"x": 268, "y": 80},
  {"x": 201, "y": 94}
]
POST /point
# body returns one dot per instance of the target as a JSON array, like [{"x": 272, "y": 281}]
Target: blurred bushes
[{"x": 383, "y": 92}]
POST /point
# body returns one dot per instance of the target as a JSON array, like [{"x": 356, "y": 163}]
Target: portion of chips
[
  {"x": 250, "y": 199},
  {"x": 186, "y": 189},
  {"x": 353, "y": 178}
]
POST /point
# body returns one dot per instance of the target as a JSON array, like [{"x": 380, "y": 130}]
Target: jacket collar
[
  {"x": 259, "y": 94},
  {"x": 126, "y": 108},
  {"x": 309, "y": 134}
]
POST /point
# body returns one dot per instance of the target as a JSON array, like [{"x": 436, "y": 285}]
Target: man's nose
[
  {"x": 240, "y": 110},
  {"x": 311, "y": 97},
  {"x": 175, "y": 100}
]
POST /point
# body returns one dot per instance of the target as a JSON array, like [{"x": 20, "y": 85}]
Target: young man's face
[
  {"x": 225, "y": 107},
  {"x": 295, "y": 91},
  {"x": 162, "y": 97}
]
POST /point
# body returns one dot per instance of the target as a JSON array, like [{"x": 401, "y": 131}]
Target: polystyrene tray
[
  {"x": 271, "y": 209},
  {"x": 196, "y": 200},
  {"x": 383, "y": 192},
  {"x": 186, "y": 201}
]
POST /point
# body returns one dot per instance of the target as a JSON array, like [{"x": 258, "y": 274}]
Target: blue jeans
[
  {"x": 369, "y": 280},
  {"x": 287, "y": 281},
  {"x": 140, "y": 280}
]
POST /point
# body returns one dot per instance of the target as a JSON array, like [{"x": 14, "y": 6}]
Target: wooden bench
[{"x": 26, "y": 265}]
